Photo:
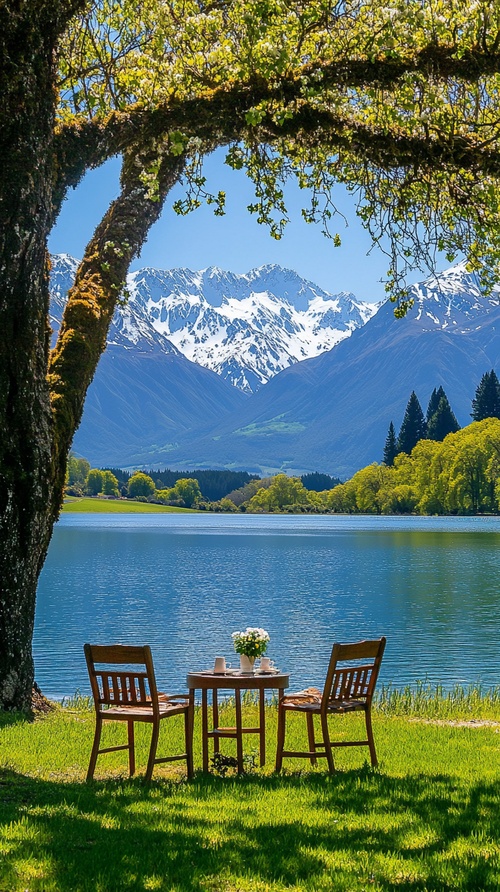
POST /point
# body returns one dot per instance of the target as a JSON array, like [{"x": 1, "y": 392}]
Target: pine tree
[
  {"x": 443, "y": 421},
  {"x": 486, "y": 403},
  {"x": 390, "y": 448},
  {"x": 413, "y": 427},
  {"x": 434, "y": 402}
]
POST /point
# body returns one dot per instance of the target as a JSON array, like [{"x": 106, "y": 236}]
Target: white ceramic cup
[
  {"x": 266, "y": 664},
  {"x": 220, "y": 665}
]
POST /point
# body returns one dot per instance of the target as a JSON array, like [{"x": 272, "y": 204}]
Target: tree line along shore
[
  {"x": 458, "y": 475},
  {"x": 432, "y": 467}
]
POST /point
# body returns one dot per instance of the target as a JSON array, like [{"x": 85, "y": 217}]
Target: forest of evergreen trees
[{"x": 439, "y": 420}]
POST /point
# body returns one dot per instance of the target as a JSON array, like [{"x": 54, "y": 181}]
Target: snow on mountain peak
[
  {"x": 453, "y": 298},
  {"x": 247, "y": 328}
]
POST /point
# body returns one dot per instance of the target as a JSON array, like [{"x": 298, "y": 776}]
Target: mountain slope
[
  {"x": 140, "y": 406},
  {"x": 332, "y": 413},
  {"x": 145, "y": 394}
]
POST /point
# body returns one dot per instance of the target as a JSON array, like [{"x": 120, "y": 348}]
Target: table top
[{"x": 236, "y": 680}]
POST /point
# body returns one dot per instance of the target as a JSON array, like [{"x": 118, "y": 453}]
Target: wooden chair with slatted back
[
  {"x": 124, "y": 690},
  {"x": 349, "y": 687}
]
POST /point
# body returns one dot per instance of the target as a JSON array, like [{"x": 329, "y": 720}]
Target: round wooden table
[{"x": 237, "y": 682}]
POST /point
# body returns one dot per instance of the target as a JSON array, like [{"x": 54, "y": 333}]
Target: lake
[{"x": 183, "y": 582}]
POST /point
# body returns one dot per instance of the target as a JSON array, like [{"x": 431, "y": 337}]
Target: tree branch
[
  {"x": 99, "y": 281},
  {"x": 218, "y": 116}
]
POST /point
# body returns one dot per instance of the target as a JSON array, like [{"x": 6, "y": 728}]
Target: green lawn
[
  {"x": 427, "y": 819},
  {"x": 116, "y": 506}
]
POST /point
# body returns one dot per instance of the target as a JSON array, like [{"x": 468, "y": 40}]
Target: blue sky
[{"x": 236, "y": 241}]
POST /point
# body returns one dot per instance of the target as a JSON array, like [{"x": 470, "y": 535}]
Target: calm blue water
[{"x": 183, "y": 583}]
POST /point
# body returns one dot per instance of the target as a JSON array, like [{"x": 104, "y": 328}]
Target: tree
[
  {"x": 95, "y": 480},
  {"x": 78, "y": 469},
  {"x": 316, "y": 482},
  {"x": 188, "y": 489},
  {"x": 109, "y": 484},
  {"x": 283, "y": 492},
  {"x": 434, "y": 402},
  {"x": 442, "y": 421},
  {"x": 486, "y": 403},
  {"x": 390, "y": 448},
  {"x": 389, "y": 98},
  {"x": 140, "y": 485},
  {"x": 413, "y": 427}
]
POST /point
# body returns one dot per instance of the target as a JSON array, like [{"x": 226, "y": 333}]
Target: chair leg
[
  {"x": 152, "y": 750},
  {"x": 326, "y": 741},
  {"x": 369, "y": 734},
  {"x": 280, "y": 744},
  {"x": 310, "y": 737},
  {"x": 95, "y": 748},
  {"x": 131, "y": 749},
  {"x": 188, "y": 733}
]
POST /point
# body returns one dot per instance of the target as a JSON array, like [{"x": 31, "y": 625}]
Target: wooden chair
[
  {"x": 349, "y": 686},
  {"x": 130, "y": 695}
]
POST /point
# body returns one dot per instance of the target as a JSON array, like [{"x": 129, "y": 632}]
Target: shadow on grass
[
  {"x": 122, "y": 835},
  {"x": 15, "y": 718}
]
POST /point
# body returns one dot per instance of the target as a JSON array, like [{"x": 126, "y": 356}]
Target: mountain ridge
[
  {"x": 149, "y": 406},
  {"x": 331, "y": 413}
]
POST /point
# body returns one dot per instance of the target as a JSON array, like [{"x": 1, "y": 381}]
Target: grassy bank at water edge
[{"x": 117, "y": 506}]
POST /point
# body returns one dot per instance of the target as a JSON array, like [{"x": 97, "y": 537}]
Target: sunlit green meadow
[
  {"x": 117, "y": 506},
  {"x": 427, "y": 819}
]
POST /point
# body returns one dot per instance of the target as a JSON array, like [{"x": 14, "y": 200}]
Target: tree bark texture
[
  {"x": 40, "y": 409},
  {"x": 27, "y": 38}
]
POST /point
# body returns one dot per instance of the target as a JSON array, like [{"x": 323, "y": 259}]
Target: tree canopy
[
  {"x": 397, "y": 100},
  {"x": 459, "y": 475}
]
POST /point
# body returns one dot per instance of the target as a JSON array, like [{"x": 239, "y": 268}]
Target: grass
[
  {"x": 427, "y": 819},
  {"x": 118, "y": 506}
]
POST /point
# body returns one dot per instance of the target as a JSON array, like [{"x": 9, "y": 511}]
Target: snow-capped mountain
[
  {"x": 145, "y": 394},
  {"x": 150, "y": 406},
  {"x": 247, "y": 328},
  {"x": 452, "y": 300},
  {"x": 331, "y": 413}
]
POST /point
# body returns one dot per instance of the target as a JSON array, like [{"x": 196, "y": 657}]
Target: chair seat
[
  {"x": 144, "y": 713},
  {"x": 309, "y": 700},
  {"x": 302, "y": 699},
  {"x": 346, "y": 705}
]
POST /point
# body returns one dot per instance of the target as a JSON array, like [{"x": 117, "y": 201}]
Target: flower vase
[{"x": 246, "y": 663}]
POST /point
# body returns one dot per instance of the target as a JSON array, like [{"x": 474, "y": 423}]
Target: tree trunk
[
  {"x": 26, "y": 126},
  {"x": 40, "y": 408}
]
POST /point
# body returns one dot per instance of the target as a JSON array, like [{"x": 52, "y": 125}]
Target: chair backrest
[
  {"x": 353, "y": 671},
  {"x": 126, "y": 686}
]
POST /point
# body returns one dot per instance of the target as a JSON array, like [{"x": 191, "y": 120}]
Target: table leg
[
  {"x": 262, "y": 726},
  {"x": 239, "y": 734},
  {"x": 215, "y": 716},
  {"x": 204, "y": 728}
]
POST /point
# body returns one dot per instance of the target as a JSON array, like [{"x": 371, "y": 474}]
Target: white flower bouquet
[{"x": 252, "y": 642}]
